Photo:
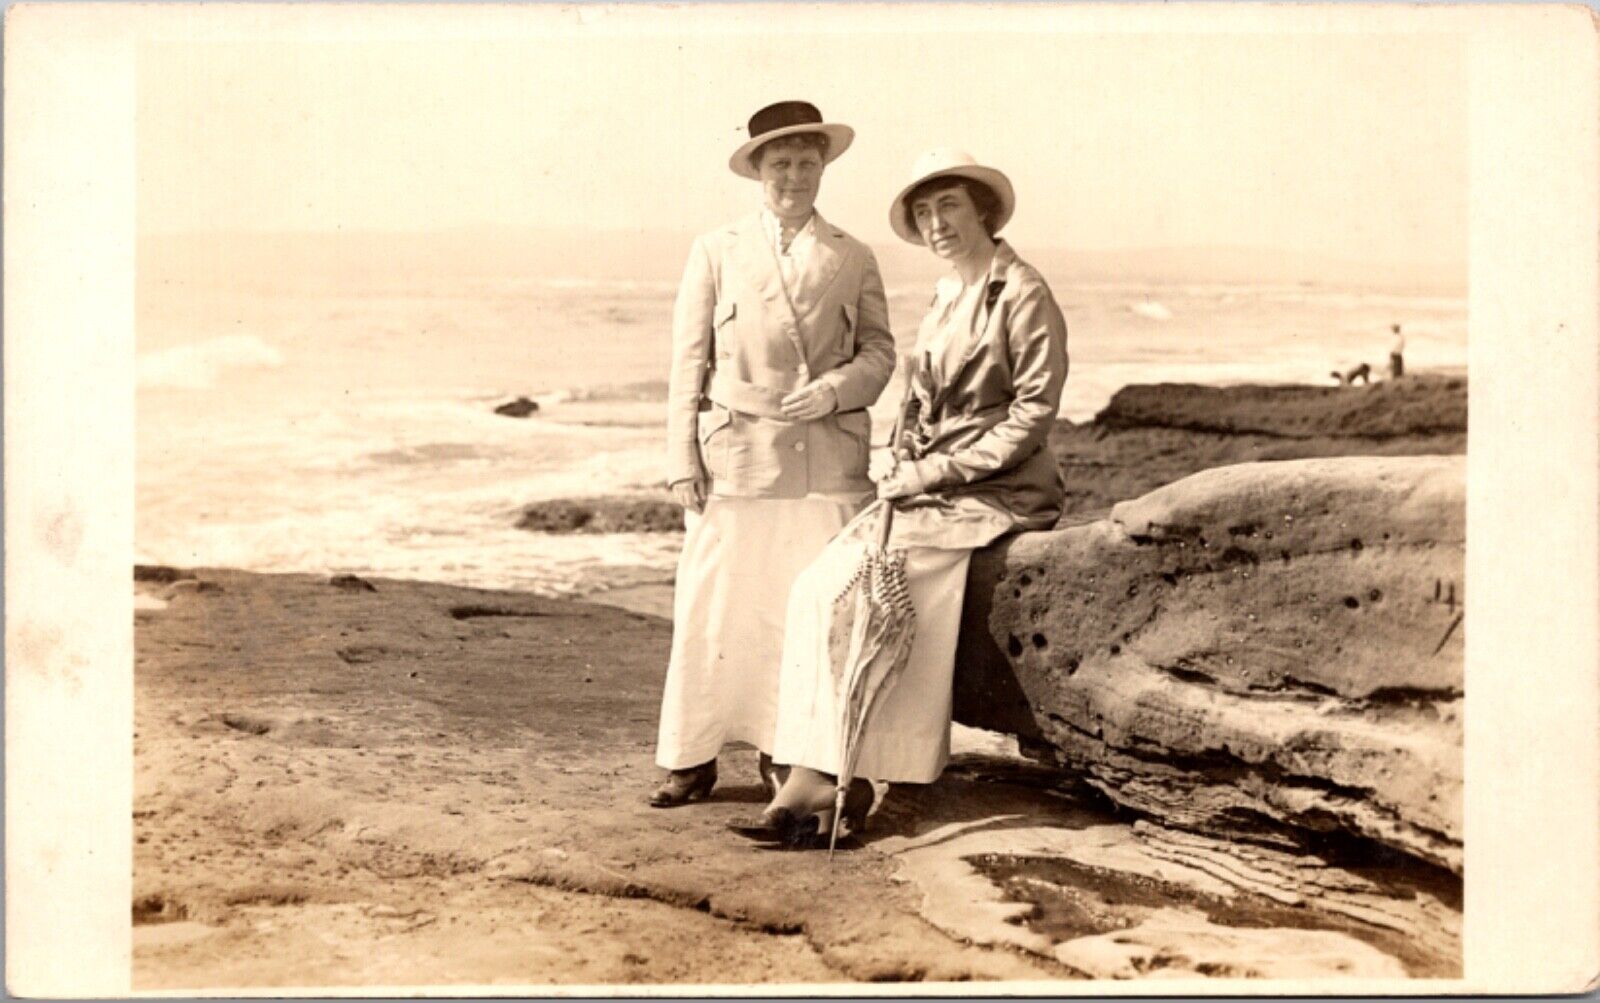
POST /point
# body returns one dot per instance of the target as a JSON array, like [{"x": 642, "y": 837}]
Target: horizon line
[{"x": 480, "y": 228}]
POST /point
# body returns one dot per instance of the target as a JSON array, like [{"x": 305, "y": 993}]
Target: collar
[
  {"x": 950, "y": 286},
  {"x": 774, "y": 226}
]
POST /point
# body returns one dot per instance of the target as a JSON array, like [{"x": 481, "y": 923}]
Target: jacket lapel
[
  {"x": 758, "y": 263},
  {"x": 827, "y": 257},
  {"x": 995, "y": 286}
]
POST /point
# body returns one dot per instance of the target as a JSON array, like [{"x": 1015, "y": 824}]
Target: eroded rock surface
[
  {"x": 1151, "y": 435},
  {"x": 1257, "y": 645}
]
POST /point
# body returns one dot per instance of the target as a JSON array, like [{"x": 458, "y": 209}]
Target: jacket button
[{"x": 799, "y": 447}]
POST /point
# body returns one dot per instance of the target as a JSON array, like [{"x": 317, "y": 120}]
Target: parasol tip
[{"x": 838, "y": 813}]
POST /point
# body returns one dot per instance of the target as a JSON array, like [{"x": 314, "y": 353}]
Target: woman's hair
[
  {"x": 804, "y": 140},
  {"x": 983, "y": 199}
]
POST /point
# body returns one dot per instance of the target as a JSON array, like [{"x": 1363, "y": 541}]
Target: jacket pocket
[
  {"x": 849, "y": 331},
  {"x": 712, "y": 431},
  {"x": 721, "y": 334},
  {"x": 857, "y": 427}
]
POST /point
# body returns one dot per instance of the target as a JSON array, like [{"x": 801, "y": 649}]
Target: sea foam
[
  {"x": 1151, "y": 310},
  {"x": 197, "y": 366}
]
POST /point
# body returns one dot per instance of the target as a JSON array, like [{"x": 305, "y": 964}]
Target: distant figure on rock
[
  {"x": 1363, "y": 372},
  {"x": 1397, "y": 351},
  {"x": 519, "y": 408}
]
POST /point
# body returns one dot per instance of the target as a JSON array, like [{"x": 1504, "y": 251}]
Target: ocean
[{"x": 344, "y": 423}]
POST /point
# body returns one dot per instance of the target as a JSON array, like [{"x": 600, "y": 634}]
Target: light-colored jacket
[
  {"x": 741, "y": 343},
  {"x": 976, "y": 444}
]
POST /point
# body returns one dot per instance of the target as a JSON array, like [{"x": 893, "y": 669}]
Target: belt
[{"x": 746, "y": 398}]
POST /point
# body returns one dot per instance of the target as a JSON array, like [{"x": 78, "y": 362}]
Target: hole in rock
[
  {"x": 1116, "y": 649},
  {"x": 1351, "y": 602},
  {"x": 1375, "y": 595},
  {"x": 1014, "y": 645},
  {"x": 1355, "y": 545},
  {"x": 1040, "y": 641}
]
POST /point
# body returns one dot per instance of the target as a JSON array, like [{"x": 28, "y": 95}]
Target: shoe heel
[
  {"x": 702, "y": 786},
  {"x": 857, "y": 804}
]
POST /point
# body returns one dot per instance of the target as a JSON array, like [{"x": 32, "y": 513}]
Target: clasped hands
[
  {"x": 899, "y": 482},
  {"x": 812, "y": 401}
]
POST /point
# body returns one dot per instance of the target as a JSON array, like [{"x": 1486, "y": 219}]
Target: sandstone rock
[
  {"x": 1171, "y": 943},
  {"x": 519, "y": 408},
  {"x": 1258, "y": 645},
  {"x": 1417, "y": 405},
  {"x": 602, "y": 515},
  {"x": 1149, "y": 436},
  {"x": 159, "y": 574}
]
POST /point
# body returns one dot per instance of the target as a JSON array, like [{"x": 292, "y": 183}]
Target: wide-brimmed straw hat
[
  {"x": 786, "y": 118},
  {"x": 947, "y": 162}
]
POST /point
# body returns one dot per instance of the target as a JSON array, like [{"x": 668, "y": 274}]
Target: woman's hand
[
  {"x": 691, "y": 494},
  {"x": 899, "y": 482},
  {"x": 810, "y": 402}
]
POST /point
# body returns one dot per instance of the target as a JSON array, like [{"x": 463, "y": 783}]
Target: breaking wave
[{"x": 197, "y": 366}]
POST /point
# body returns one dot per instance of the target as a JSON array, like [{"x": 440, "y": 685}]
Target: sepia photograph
[{"x": 772, "y": 499}]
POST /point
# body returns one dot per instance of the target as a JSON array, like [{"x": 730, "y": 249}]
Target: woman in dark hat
[
  {"x": 971, "y": 464},
  {"x": 780, "y": 341}
]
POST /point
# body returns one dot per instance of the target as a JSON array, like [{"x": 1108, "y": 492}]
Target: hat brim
[
  {"x": 839, "y": 139},
  {"x": 991, "y": 178}
]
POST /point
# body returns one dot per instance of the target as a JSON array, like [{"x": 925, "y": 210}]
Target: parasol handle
[
  {"x": 885, "y": 524},
  {"x": 894, "y": 445}
]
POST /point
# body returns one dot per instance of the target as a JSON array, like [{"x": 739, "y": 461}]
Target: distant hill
[{"x": 657, "y": 256}]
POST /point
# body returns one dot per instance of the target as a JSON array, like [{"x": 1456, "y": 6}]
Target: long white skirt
[
  {"x": 740, "y": 558},
  {"x": 907, "y": 739}
]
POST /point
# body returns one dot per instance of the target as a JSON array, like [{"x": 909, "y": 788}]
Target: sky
[{"x": 1348, "y": 145}]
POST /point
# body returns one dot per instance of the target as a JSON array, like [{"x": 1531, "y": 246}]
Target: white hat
[
  {"x": 785, "y": 119},
  {"x": 949, "y": 162}
]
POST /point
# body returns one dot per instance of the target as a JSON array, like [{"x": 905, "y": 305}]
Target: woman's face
[
  {"x": 791, "y": 175},
  {"x": 949, "y": 223}
]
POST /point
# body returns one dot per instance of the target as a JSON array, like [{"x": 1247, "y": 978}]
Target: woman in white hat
[
  {"x": 971, "y": 464},
  {"x": 780, "y": 341}
]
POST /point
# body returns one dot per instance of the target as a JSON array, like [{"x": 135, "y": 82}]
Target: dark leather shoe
[
  {"x": 686, "y": 786},
  {"x": 782, "y": 829},
  {"x": 857, "y": 803},
  {"x": 789, "y": 831},
  {"x": 769, "y": 828}
]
